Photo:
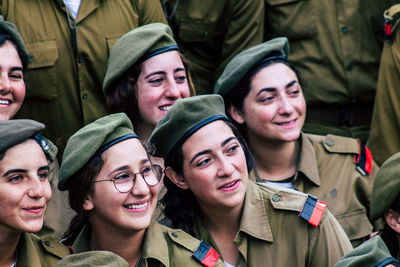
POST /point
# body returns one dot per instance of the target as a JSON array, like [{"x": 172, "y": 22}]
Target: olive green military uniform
[
  {"x": 272, "y": 234},
  {"x": 39, "y": 252},
  {"x": 65, "y": 79},
  {"x": 336, "y": 45},
  {"x": 327, "y": 170},
  {"x": 210, "y": 33},
  {"x": 384, "y": 139},
  {"x": 162, "y": 247},
  {"x": 371, "y": 253}
]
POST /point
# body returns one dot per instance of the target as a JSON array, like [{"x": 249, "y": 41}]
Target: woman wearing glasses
[{"x": 113, "y": 187}]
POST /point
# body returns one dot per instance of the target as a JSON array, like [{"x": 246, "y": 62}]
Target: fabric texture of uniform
[
  {"x": 93, "y": 259},
  {"x": 183, "y": 119},
  {"x": 372, "y": 253},
  {"x": 135, "y": 46},
  {"x": 86, "y": 142},
  {"x": 272, "y": 234},
  {"x": 210, "y": 33},
  {"x": 69, "y": 57},
  {"x": 161, "y": 247},
  {"x": 35, "y": 251},
  {"x": 12, "y": 31},
  {"x": 386, "y": 186},
  {"x": 326, "y": 169},
  {"x": 384, "y": 138},
  {"x": 243, "y": 62},
  {"x": 336, "y": 45}
]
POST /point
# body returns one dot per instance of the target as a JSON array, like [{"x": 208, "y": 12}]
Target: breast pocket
[
  {"x": 199, "y": 31},
  {"x": 43, "y": 57},
  {"x": 355, "y": 224},
  {"x": 295, "y": 19}
]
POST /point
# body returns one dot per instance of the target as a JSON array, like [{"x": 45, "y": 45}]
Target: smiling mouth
[
  {"x": 37, "y": 209},
  {"x": 229, "y": 185},
  {"x": 286, "y": 123},
  {"x": 4, "y": 102},
  {"x": 165, "y": 108},
  {"x": 136, "y": 206}
]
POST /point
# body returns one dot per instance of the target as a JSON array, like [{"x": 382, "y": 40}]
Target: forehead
[
  {"x": 8, "y": 53},
  {"x": 276, "y": 73},
  {"x": 170, "y": 59},
  {"x": 24, "y": 152},
  {"x": 126, "y": 150}
]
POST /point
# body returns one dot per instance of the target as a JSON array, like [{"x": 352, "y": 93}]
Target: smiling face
[
  {"x": 214, "y": 167},
  {"x": 161, "y": 83},
  {"x": 24, "y": 188},
  {"x": 113, "y": 211},
  {"x": 12, "y": 85},
  {"x": 274, "y": 109}
]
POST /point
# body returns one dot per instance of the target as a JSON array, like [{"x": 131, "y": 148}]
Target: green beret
[
  {"x": 91, "y": 140},
  {"x": 10, "y": 29},
  {"x": 386, "y": 186},
  {"x": 184, "y": 118},
  {"x": 93, "y": 258},
  {"x": 243, "y": 62},
  {"x": 13, "y": 132},
  {"x": 372, "y": 252},
  {"x": 136, "y": 46}
]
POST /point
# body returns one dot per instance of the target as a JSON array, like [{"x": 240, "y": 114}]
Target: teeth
[
  {"x": 229, "y": 185},
  {"x": 4, "y": 102},
  {"x": 165, "y": 108},
  {"x": 140, "y": 206}
]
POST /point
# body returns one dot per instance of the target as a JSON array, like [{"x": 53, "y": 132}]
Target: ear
[
  {"x": 236, "y": 114},
  {"x": 176, "y": 178},
  {"x": 392, "y": 218},
  {"x": 88, "y": 203}
]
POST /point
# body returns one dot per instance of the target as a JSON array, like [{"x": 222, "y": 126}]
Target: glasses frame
[{"x": 157, "y": 169}]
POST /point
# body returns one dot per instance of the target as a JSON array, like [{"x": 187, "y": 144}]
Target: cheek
[
  {"x": 47, "y": 190},
  {"x": 19, "y": 91},
  {"x": 184, "y": 89}
]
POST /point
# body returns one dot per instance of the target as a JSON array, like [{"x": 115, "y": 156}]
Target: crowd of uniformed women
[{"x": 127, "y": 141}]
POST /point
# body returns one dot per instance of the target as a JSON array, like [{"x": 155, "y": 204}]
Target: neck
[
  {"x": 143, "y": 130},
  {"x": 126, "y": 245},
  {"x": 8, "y": 247},
  {"x": 274, "y": 161}
]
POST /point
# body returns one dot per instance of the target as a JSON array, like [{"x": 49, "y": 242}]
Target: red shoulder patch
[{"x": 363, "y": 160}]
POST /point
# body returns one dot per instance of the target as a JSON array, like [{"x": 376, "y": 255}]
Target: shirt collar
[{"x": 308, "y": 162}]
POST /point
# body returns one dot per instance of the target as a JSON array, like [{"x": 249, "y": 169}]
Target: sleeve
[
  {"x": 245, "y": 29},
  {"x": 328, "y": 242},
  {"x": 150, "y": 11}
]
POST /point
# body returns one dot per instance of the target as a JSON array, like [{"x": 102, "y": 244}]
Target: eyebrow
[
  {"x": 155, "y": 73},
  {"x": 44, "y": 168},
  {"x": 207, "y": 151},
  {"x": 16, "y": 68},
  {"x": 272, "y": 89},
  {"x": 125, "y": 167},
  {"x": 23, "y": 170}
]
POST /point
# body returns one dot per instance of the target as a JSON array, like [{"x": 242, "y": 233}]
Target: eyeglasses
[{"x": 151, "y": 174}]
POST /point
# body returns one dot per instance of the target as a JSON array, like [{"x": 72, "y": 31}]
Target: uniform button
[
  {"x": 205, "y": 34},
  {"x": 329, "y": 142},
  {"x": 349, "y": 67},
  {"x": 84, "y": 96},
  {"x": 174, "y": 234},
  {"x": 47, "y": 243},
  {"x": 81, "y": 59},
  {"x": 275, "y": 198},
  {"x": 345, "y": 29}
]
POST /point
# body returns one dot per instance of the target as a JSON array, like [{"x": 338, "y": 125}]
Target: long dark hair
[
  {"x": 121, "y": 95},
  {"x": 236, "y": 96},
  {"x": 181, "y": 207},
  {"x": 388, "y": 235}
]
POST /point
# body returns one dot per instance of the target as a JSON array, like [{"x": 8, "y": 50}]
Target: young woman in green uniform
[
  {"x": 210, "y": 196},
  {"x": 145, "y": 76},
  {"x": 263, "y": 95},
  {"x": 113, "y": 186},
  {"x": 24, "y": 195}
]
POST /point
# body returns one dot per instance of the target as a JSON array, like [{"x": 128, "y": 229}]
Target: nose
[
  {"x": 140, "y": 188},
  {"x": 5, "y": 85},
  {"x": 36, "y": 188},
  {"x": 172, "y": 90},
  {"x": 285, "y": 106},
  {"x": 226, "y": 168}
]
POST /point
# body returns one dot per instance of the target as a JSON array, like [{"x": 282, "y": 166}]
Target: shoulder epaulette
[
  {"x": 52, "y": 245},
  {"x": 206, "y": 255},
  {"x": 391, "y": 21},
  {"x": 363, "y": 160},
  {"x": 340, "y": 144},
  {"x": 313, "y": 210}
]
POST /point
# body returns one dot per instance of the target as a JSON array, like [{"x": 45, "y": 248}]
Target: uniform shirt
[
  {"x": 384, "y": 139},
  {"x": 36, "y": 252},
  {"x": 327, "y": 170},
  {"x": 335, "y": 44},
  {"x": 161, "y": 247},
  {"x": 210, "y": 33},
  {"x": 272, "y": 234},
  {"x": 65, "y": 87}
]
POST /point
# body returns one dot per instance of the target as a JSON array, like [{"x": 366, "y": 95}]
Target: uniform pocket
[
  {"x": 355, "y": 224},
  {"x": 111, "y": 40},
  {"x": 198, "y": 31},
  {"x": 295, "y": 19},
  {"x": 43, "y": 57}
]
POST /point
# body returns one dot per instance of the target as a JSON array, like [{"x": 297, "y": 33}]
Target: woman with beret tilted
[
  {"x": 24, "y": 195},
  {"x": 145, "y": 75},
  {"x": 113, "y": 186},
  {"x": 264, "y": 98},
  {"x": 210, "y": 196}
]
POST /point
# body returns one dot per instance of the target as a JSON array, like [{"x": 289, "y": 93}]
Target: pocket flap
[
  {"x": 355, "y": 224},
  {"x": 42, "y": 54}
]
